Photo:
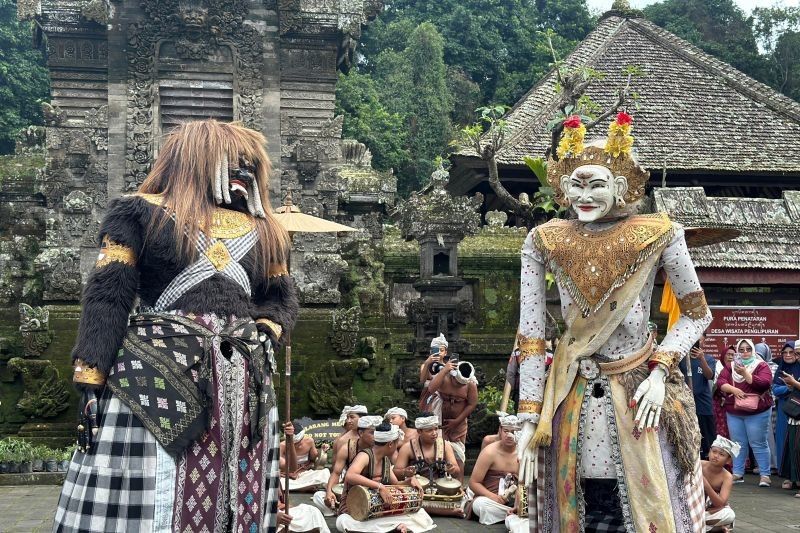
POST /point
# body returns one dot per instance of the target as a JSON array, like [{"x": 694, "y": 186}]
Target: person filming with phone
[
  {"x": 748, "y": 407},
  {"x": 701, "y": 375}
]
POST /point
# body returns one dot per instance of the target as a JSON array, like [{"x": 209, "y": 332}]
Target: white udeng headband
[
  {"x": 299, "y": 436},
  {"x": 510, "y": 422},
  {"x": 388, "y": 436},
  {"x": 426, "y": 422},
  {"x": 369, "y": 422},
  {"x": 396, "y": 411},
  {"x": 732, "y": 448},
  {"x": 439, "y": 341},
  {"x": 351, "y": 409}
]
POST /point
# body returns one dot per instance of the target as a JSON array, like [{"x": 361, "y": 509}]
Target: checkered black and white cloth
[
  {"x": 113, "y": 488},
  {"x": 203, "y": 269},
  {"x": 272, "y": 489}
]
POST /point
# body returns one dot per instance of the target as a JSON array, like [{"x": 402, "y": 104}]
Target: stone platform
[{"x": 30, "y": 509}]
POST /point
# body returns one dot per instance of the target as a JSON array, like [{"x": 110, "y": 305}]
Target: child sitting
[{"x": 717, "y": 483}]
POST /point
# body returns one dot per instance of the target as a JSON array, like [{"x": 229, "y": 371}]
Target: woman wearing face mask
[
  {"x": 719, "y": 398},
  {"x": 748, "y": 410},
  {"x": 787, "y": 430}
]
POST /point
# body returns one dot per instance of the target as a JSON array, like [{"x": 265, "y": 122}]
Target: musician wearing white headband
[
  {"x": 493, "y": 483},
  {"x": 349, "y": 421},
  {"x": 398, "y": 416},
  {"x": 717, "y": 483},
  {"x": 365, "y": 438},
  {"x": 301, "y": 457},
  {"x": 372, "y": 469}
]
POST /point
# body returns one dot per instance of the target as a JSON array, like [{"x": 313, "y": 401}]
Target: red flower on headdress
[
  {"x": 623, "y": 118},
  {"x": 573, "y": 121}
]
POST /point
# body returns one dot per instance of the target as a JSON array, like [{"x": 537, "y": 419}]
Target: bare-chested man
[
  {"x": 349, "y": 421},
  {"x": 399, "y": 417},
  {"x": 494, "y": 477},
  {"x": 326, "y": 500},
  {"x": 457, "y": 388},
  {"x": 302, "y": 475},
  {"x": 428, "y": 454},
  {"x": 717, "y": 483}
]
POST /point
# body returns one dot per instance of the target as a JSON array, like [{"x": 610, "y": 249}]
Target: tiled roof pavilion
[
  {"x": 697, "y": 114},
  {"x": 702, "y": 120}
]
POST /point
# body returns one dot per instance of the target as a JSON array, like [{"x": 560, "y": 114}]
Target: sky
[{"x": 746, "y": 5}]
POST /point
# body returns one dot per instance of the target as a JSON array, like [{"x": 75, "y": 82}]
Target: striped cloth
[{"x": 696, "y": 499}]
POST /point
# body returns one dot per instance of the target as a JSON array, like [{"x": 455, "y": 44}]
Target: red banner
[{"x": 771, "y": 325}]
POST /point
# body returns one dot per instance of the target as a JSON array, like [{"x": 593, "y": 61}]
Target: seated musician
[
  {"x": 398, "y": 416},
  {"x": 302, "y": 518},
  {"x": 326, "y": 500},
  {"x": 432, "y": 457},
  {"x": 349, "y": 422},
  {"x": 372, "y": 470},
  {"x": 493, "y": 482},
  {"x": 302, "y": 475}
]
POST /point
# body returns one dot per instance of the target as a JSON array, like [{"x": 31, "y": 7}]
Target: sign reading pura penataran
[{"x": 771, "y": 325}]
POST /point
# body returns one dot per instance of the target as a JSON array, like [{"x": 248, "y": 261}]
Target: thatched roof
[
  {"x": 770, "y": 228},
  {"x": 698, "y": 114}
]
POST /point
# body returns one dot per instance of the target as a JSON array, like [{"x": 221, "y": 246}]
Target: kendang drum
[
  {"x": 364, "y": 503},
  {"x": 444, "y": 505}
]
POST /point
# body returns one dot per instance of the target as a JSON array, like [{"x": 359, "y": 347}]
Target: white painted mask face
[{"x": 592, "y": 191}]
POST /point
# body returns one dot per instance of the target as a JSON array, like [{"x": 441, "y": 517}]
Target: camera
[{"x": 437, "y": 366}]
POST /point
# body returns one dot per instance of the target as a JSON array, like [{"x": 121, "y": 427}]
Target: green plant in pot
[
  {"x": 27, "y": 455},
  {"x": 4, "y": 457},
  {"x": 65, "y": 456},
  {"x": 50, "y": 457}
]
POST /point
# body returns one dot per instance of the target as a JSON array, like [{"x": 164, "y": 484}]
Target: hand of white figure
[
  {"x": 526, "y": 454},
  {"x": 649, "y": 399}
]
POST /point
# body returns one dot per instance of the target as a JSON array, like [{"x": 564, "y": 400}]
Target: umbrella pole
[{"x": 287, "y": 385}]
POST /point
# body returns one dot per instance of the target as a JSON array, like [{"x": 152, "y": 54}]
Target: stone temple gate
[{"x": 123, "y": 72}]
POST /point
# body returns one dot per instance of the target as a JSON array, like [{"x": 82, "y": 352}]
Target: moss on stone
[{"x": 20, "y": 166}]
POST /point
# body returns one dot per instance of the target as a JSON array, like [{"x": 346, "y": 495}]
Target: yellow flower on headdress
[
  {"x": 620, "y": 140},
  {"x": 572, "y": 138}
]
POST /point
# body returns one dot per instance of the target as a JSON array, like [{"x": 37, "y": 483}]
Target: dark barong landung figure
[
  {"x": 611, "y": 435},
  {"x": 179, "y": 426}
]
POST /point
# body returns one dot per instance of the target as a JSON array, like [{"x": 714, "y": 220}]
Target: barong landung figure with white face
[{"x": 611, "y": 435}]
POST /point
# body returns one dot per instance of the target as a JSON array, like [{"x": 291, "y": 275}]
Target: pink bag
[{"x": 748, "y": 403}]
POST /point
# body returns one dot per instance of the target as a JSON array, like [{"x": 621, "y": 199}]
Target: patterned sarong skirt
[{"x": 221, "y": 482}]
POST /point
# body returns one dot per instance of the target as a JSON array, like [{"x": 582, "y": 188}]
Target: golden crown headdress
[{"x": 616, "y": 156}]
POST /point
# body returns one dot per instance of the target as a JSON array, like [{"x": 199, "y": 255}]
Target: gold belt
[{"x": 630, "y": 362}]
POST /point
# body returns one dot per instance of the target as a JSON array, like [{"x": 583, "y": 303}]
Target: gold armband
[
  {"x": 529, "y": 407},
  {"x": 529, "y": 347},
  {"x": 111, "y": 251},
  {"x": 87, "y": 375},
  {"x": 693, "y": 305},
  {"x": 668, "y": 359},
  {"x": 276, "y": 328},
  {"x": 277, "y": 270}
]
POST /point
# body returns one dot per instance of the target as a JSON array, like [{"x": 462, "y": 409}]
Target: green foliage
[
  {"x": 491, "y": 397},
  {"x": 777, "y": 30},
  {"x": 367, "y": 119},
  {"x": 23, "y": 79}
]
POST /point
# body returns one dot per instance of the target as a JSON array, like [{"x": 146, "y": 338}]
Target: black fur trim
[{"x": 276, "y": 299}]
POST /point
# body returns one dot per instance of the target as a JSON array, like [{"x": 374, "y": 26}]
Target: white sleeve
[
  {"x": 695, "y": 314},
  {"x": 530, "y": 337}
]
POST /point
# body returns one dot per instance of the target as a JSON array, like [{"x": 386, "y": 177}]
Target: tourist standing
[
  {"x": 702, "y": 376},
  {"x": 748, "y": 383},
  {"x": 719, "y": 398},
  {"x": 788, "y": 429}
]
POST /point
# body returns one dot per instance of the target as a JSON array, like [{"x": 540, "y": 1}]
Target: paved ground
[{"x": 30, "y": 509}]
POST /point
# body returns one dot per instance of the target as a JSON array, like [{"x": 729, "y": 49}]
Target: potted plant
[
  {"x": 27, "y": 455},
  {"x": 4, "y": 456},
  {"x": 51, "y": 460},
  {"x": 64, "y": 458},
  {"x": 39, "y": 454}
]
